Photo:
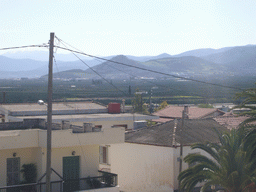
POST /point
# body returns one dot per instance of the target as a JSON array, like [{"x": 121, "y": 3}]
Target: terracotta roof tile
[{"x": 175, "y": 112}]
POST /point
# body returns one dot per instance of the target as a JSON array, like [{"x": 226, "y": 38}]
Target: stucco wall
[
  {"x": 146, "y": 168},
  {"x": 107, "y": 124},
  {"x": 88, "y": 155},
  {"x": 26, "y": 155},
  {"x": 142, "y": 167}
]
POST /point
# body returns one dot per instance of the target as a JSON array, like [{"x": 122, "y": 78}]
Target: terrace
[{"x": 105, "y": 182}]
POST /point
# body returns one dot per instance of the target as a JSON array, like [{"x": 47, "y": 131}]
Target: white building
[
  {"x": 74, "y": 155},
  {"x": 76, "y": 113},
  {"x": 148, "y": 161}
]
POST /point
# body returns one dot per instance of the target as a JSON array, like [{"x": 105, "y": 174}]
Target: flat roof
[
  {"x": 92, "y": 117},
  {"x": 55, "y": 106}
]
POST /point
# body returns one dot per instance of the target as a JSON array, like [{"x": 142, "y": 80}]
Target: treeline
[{"x": 171, "y": 90}]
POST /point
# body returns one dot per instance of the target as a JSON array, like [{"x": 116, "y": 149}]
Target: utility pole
[
  {"x": 49, "y": 116},
  {"x": 181, "y": 144}
]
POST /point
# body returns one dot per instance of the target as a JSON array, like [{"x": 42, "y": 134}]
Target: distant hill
[
  {"x": 147, "y": 58},
  {"x": 8, "y": 64},
  {"x": 69, "y": 74},
  {"x": 189, "y": 65},
  {"x": 113, "y": 70},
  {"x": 239, "y": 60},
  {"x": 171, "y": 65},
  {"x": 42, "y": 56},
  {"x": 233, "y": 54},
  {"x": 203, "y": 52}
]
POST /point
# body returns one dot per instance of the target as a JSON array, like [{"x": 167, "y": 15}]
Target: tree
[
  {"x": 137, "y": 102},
  {"x": 248, "y": 97},
  {"x": 205, "y": 105},
  {"x": 162, "y": 105},
  {"x": 229, "y": 163}
]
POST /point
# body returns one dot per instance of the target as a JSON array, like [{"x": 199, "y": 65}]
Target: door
[
  {"x": 71, "y": 172},
  {"x": 13, "y": 172}
]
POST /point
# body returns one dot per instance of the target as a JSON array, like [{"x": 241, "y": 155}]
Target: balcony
[{"x": 107, "y": 182}]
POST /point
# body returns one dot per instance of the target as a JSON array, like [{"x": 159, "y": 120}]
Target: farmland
[{"x": 172, "y": 90}]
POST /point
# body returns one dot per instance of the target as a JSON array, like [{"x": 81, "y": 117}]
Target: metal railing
[{"x": 105, "y": 180}]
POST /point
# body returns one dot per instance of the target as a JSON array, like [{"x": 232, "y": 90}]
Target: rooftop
[
  {"x": 55, "y": 106},
  {"x": 90, "y": 117},
  {"x": 195, "y": 130},
  {"x": 175, "y": 112}
]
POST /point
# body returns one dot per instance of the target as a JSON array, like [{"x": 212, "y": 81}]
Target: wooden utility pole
[
  {"x": 49, "y": 116},
  {"x": 181, "y": 144}
]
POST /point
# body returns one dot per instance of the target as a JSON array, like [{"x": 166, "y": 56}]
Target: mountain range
[{"x": 239, "y": 60}]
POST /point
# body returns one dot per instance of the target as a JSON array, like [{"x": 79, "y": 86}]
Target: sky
[{"x": 129, "y": 27}]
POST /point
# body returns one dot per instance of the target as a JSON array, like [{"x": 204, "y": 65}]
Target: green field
[{"x": 173, "y": 91}]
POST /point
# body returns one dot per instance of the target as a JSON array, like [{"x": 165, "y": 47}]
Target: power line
[
  {"x": 156, "y": 84},
  {"x": 94, "y": 70},
  {"x": 26, "y": 46},
  {"x": 149, "y": 70}
]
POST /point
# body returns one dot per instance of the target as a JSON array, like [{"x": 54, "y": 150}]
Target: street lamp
[{"x": 150, "y": 102}]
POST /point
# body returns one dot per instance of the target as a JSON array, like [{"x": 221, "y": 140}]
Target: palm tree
[
  {"x": 249, "y": 97},
  {"x": 228, "y": 164}
]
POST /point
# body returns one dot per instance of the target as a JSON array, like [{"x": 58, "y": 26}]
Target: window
[{"x": 104, "y": 154}]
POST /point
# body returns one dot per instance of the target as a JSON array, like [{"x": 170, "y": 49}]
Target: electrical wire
[
  {"x": 96, "y": 72},
  {"x": 60, "y": 40},
  {"x": 195, "y": 94},
  {"x": 149, "y": 70},
  {"x": 26, "y": 46}
]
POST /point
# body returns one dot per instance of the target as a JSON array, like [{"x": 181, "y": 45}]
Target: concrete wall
[
  {"x": 65, "y": 138},
  {"x": 88, "y": 155},
  {"x": 26, "y": 155},
  {"x": 18, "y": 139},
  {"x": 30, "y": 146},
  {"x": 146, "y": 168},
  {"x": 142, "y": 167},
  {"x": 107, "y": 124},
  {"x": 89, "y": 160}
]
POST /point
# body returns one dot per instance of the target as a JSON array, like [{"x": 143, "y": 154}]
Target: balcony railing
[{"x": 105, "y": 180}]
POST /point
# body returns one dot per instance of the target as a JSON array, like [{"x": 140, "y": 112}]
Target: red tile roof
[
  {"x": 230, "y": 120},
  {"x": 175, "y": 112}
]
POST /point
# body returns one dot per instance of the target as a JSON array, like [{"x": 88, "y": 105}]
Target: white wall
[
  {"x": 142, "y": 167},
  {"x": 146, "y": 168}
]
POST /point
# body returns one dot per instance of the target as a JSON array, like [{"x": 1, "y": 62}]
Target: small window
[
  {"x": 104, "y": 154},
  {"x": 122, "y": 125}
]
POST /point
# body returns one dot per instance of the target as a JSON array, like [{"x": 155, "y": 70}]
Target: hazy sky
[{"x": 129, "y": 27}]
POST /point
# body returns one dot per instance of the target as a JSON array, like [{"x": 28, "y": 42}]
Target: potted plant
[{"x": 29, "y": 173}]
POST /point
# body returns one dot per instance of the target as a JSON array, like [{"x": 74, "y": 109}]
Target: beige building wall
[
  {"x": 26, "y": 155},
  {"x": 107, "y": 124},
  {"x": 88, "y": 157},
  {"x": 30, "y": 147},
  {"x": 142, "y": 168}
]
